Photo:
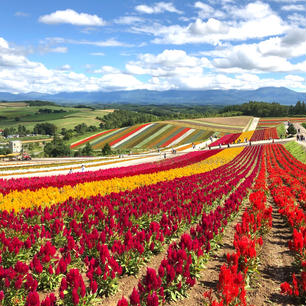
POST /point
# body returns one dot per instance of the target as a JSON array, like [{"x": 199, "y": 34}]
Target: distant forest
[
  {"x": 127, "y": 115},
  {"x": 263, "y": 109}
]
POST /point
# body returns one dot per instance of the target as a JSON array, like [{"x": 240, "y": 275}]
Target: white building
[{"x": 16, "y": 146}]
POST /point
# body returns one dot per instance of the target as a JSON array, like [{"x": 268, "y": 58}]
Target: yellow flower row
[
  {"x": 245, "y": 135},
  {"x": 47, "y": 196}
]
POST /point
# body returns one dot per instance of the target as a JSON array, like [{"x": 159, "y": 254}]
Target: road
[{"x": 302, "y": 130}]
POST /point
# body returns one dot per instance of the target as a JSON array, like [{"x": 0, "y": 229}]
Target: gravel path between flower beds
[{"x": 276, "y": 265}]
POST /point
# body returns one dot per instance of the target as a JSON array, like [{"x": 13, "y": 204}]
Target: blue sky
[{"x": 54, "y": 46}]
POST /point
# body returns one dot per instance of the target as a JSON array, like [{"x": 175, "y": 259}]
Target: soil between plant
[
  {"x": 276, "y": 265},
  {"x": 127, "y": 283},
  {"x": 210, "y": 275}
]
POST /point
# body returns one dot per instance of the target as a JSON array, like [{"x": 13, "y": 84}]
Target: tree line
[{"x": 264, "y": 109}]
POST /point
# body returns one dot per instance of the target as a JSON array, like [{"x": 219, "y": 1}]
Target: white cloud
[
  {"x": 254, "y": 10},
  {"x": 19, "y": 74},
  {"x": 295, "y": 78},
  {"x": 3, "y": 44},
  {"x": 72, "y": 17},
  {"x": 65, "y": 67},
  {"x": 21, "y": 14},
  {"x": 297, "y": 19},
  {"x": 293, "y": 44},
  {"x": 111, "y": 42},
  {"x": 206, "y": 11},
  {"x": 254, "y": 21},
  {"x": 108, "y": 69},
  {"x": 128, "y": 20},
  {"x": 249, "y": 57},
  {"x": 106, "y": 43},
  {"x": 97, "y": 54},
  {"x": 59, "y": 50},
  {"x": 292, "y": 7},
  {"x": 159, "y": 7},
  {"x": 168, "y": 63},
  {"x": 271, "y": 55}
]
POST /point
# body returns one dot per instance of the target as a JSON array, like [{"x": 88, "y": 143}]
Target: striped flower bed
[
  {"x": 154, "y": 136},
  {"x": 164, "y": 136},
  {"x": 170, "y": 136},
  {"x": 130, "y": 135},
  {"x": 173, "y": 140},
  {"x": 145, "y": 136},
  {"x": 76, "y": 144},
  {"x": 115, "y": 136},
  {"x": 98, "y": 143},
  {"x": 197, "y": 135},
  {"x": 136, "y": 139},
  {"x": 127, "y": 133}
]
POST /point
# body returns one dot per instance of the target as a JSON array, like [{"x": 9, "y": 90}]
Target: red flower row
[
  {"x": 178, "y": 271},
  {"x": 256, "y": 219}
]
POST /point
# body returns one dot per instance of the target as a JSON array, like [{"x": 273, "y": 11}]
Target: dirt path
[
  {"x": 127, "y": 283},
  {"x": 276, "y": 265},
  {"x": 210, "y": 275}
]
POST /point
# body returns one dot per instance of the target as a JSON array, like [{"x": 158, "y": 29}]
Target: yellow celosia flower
[{"x": 245, "y": 135}]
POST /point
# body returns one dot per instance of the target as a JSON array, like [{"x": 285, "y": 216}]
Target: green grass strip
[
  {"x": 281, "y": 130},
  {"x": 297, "y": 150}
]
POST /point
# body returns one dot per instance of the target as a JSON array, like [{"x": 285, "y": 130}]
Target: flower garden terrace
[{"x": 75, "y": 242}]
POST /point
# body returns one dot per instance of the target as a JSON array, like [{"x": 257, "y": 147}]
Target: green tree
[
  {"x": 57, "y": 148},
  {"x": 87, "y": 150},
  {"x": 22, "y": 131},
  {"x": 68, "y": 134},
  {"x": 45, "y": 128},
  {"x": 291, "y": 129},
  {"x": 5, "y": 151},
  {"x": 106, "y": 150},
  {"x": 81, "y": 128}
]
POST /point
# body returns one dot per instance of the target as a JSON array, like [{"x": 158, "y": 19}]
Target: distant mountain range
[{"x": 281, "y": 95}]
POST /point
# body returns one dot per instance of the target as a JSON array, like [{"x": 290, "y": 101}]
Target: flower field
[
  {"x": 256, "y": 135},
  {"x": 78, "y": 239},
  {"x": 272, "y": 122},
  {"x": 145, "y": 136}
]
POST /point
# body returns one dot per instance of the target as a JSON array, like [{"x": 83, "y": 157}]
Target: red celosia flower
[
  {"x": 134, "y": 298},
  {"x": 33, "y": 299},
  {"x": 123, "y": 302},
  {"x": 286, "y": 288}
]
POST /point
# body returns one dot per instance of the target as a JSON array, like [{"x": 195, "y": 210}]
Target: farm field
[
  {"x": 210, "y": 125},
  {"x": 66, "y": 117},
  {"x": 194, "y": 229}
]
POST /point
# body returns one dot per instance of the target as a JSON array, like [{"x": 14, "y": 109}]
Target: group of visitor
[{"x": 300, "y": 137}]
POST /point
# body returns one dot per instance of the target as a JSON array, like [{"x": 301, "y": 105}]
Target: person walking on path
[{"x": 83, "y": 168}]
